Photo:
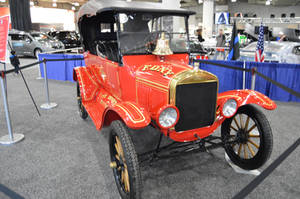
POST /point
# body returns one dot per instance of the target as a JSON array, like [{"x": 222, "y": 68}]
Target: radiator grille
[{"x": 197, "y": 105}]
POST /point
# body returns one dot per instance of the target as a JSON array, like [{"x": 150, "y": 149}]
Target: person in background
[
  {"x": 199, "y": 34},
  {"x": 282, "y": 37},
  {"x": 14, "y": 60},
  {"x": 221, "y": 40}
]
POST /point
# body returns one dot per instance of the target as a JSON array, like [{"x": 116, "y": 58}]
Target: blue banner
[
  {"x": 286, "y": 74},
  {"x": 60, "y": 70}
]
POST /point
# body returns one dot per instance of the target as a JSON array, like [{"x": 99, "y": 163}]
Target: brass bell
[{"x": 162, "y": 46}]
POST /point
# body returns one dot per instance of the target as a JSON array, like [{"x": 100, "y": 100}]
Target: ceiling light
[
  {"x": 268, "y": 2},
  {"x": 31, "y": 3},
  {"x": 2, "y": 1},
  {"x": 54, "y": 0},
  {"x": 200, "y": 1},
  {"x": 54, "y": 4},
  {"x": 233, "y": 1},
  {"x": 76, "y": 4},
  {"x": 73, "y": 8}
]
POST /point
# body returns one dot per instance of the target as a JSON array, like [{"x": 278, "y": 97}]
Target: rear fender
[
  {"x": 87, "y": 82},
  {"x": 244, "y": 97},
  {"x": 103, "y": 108}
]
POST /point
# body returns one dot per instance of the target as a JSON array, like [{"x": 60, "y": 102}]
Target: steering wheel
[{"x": 150, "y": 40}]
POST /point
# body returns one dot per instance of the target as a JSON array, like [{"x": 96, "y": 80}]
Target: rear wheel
[
  {"x": 124, "y": 162},
  {"x": 82, "y": 112},
  {"x": 37, "y": 52},
  {"x": 253, "y": 133}
]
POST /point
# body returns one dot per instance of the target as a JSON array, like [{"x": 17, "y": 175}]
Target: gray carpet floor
[{"x": 64, "y": 157}]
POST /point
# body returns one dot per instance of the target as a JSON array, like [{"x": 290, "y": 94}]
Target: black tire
[
  {"x": 37, "y": 52},
  {"x": 243, "y": 132},
  {"x": 125, "y": 162},
  {"x": 82, "y": 112}
]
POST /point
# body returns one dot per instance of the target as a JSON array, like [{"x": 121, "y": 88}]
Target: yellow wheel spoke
[
  {"x": 122, "y": 177},
  {"x": 240, "y": 148},
  {"x": 254, "y": 136},
  {"x": 247, "y": 123},
  {"x": 250, "y": 149},
  {"x": 241, "y": 121},
  {"x": 124, "y": 172},
  {"x": 253, "y": 127},
  {"x": 117, "y": 148},
  {"x": 236, "y": 123},
  {"x": 253, "y": 143},
  {"x": 231, "y": 136},
  {"x": 245, "y": 152},
  {"x": 233, "y": 128},
  {"x": 126, "y": 179}
]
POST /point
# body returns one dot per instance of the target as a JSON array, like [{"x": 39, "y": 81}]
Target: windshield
[
  {"x": 268, "y": 47},
  {"x": 40, "y": 36},
  {"x": 139, "y": 32}
]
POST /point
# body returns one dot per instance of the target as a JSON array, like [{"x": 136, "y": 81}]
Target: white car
[
  {"x": 274, "y": 51},
  {"x": 33, "y": 43}
]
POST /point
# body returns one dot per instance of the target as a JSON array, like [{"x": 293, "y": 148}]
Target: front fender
[
  {"x": 133, "y": 115},
  {"x": 244, "y": 97}
]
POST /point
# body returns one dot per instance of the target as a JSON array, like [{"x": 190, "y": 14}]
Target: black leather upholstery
[{"x": 109, "y": 49}]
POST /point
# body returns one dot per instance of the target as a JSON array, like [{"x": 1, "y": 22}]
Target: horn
[{"x": 162, "y": 46}]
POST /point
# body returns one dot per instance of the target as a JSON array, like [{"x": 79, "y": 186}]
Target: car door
[
  {"x": 17, "y": 43},
  {"x": 296, "y": 53},
  {"x": 112, "y": 69},
  {"x": 291, "y": 55},
  {"x": 28, "y": 45}
]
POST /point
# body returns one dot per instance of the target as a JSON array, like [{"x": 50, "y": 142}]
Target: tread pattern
[
  {"x": 83, "y": 113},
  {"x": 266, "y": 144},
  {"x": 132, "y": 162}
]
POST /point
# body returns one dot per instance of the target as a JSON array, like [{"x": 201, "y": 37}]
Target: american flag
[{"x": 259, "y": 54}]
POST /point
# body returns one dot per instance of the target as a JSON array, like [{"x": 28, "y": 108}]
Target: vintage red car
[{"x": 137, "y": 74}]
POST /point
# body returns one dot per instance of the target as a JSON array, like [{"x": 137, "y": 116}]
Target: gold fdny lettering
[
  {"x": 155, "y": 68},
  {"x": 163, "y": 70},
  {"x": 146, "y": 67},
  {"x": 169, "y": 73}
]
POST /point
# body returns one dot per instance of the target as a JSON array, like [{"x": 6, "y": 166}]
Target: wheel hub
[{"x": 242, "y": 136}]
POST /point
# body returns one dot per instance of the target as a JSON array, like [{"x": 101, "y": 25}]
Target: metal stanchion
[
  {"x": 47, "y": 105},
  {"x": 40, "y": 73},
  {"x": 5, "y": 81},
  {"x": 253, "y": 78},
  {"x": 10, "y": 138},
  {"x": 244, "y": 75}
]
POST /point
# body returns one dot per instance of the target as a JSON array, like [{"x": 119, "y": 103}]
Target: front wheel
[
  {"x": 37, "y": 52},
  {"x": 124, "y": 162},
  {"x": 252, "y": 131}
]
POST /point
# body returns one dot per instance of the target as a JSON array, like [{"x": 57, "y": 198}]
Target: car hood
[
  {"x": 48, "y": 41},
  {"x": 155, "y": 72}
]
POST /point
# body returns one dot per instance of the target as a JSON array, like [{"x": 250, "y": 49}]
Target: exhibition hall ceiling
[{"x": 75, "y": 4}]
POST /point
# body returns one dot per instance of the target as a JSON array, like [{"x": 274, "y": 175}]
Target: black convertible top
[{"x": 93, "y": 7}]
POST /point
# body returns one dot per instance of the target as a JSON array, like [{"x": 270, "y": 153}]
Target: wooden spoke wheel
[
  {"x": 124, "y": 162},
  {"x": 252, "y": 131},
  {"x": 82, "y": 112}
]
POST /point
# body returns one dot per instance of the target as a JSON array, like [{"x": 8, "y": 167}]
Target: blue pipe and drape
[{"x": 229, "y": 79}]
